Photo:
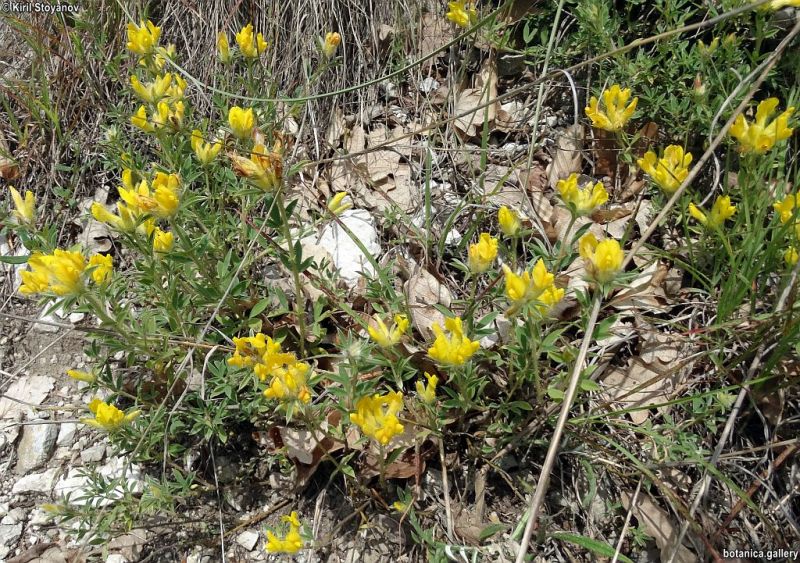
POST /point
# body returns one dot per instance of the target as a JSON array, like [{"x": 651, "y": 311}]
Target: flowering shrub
[{"x": 198, "y": 346}]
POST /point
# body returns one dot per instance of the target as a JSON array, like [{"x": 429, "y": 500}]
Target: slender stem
[
  {"x": 300, "y": 298},
  {"x": 555, "y": 441}
]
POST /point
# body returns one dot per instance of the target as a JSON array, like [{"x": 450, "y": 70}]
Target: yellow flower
[
  {"x": 669, "y": 171},
  {"x": 251, "y": 46},
  {"x": 242, "y": 121},
  {"x": 161, "y": 202},
  {"x": 176, "y": 91},
  {"x": 249, "y": 350},
  {"x": 163, "y": 241},
  {"x": 108, "y": 417},
  {"x": 720, "y": 212},
  {"x": 103, "y": 265},
  {"x": 778, "y": 4},
  {"x": 169, "y": 114},
  {"x": 509, "y": 221},
  {"x": 290, "y": 383},
  {"x": 482, "y": 254},
  {"x": 59, "y": 273},
  {"x": 264, "y": 169},
  {"x": 462, "y": 14},
  {"x": 616, "y": 113},
  {"x": 376, "y": 416},
  {"x": 581, "y": 201},
  {"x": 126, "y": 221},
  {"x": 760, "y": 136},
  {"x": 331, "y": 43},
  {"x": 262, "y": 354},
  {"x": 536, "y": 285},
  {"x": 291, "y": 542},
  {"x": 786, "y": 207},
  {"x": 791, "y": 256},
  {"x": 455, "y": 349},
  {"x": 427, "y": 391},
  {"x": 338, "y": 203},
  {"x": 81, "y": 375},
  {"x": 399, "y": 506},
  {"x": 385, "y": 337},
  {"x": 139, "y": 119},
  {"x": 25, "y": 212},
  {"x": 142, "y": 39},
  {"x": 151, "y": 91},
  {"x": 603, "y": 259},
  {"x": 224, "y": 49},
  {"x": 205, "y": 152}
]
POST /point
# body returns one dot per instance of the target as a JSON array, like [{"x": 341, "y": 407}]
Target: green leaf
[
  {"x": 589, "y": 386},
  {"x": 14, "y": 259},
  {"x": 491, "y": 530},
  {"x": 259, "y": 308},
  {"x": 555, "y": 394},
  {"x": 595, "y": 546}
]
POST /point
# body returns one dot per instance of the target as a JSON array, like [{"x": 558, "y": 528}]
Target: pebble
[
  {"x": 35, "y": 446},
  {"x": 36, "y": 482},
  {"x": 248, "y": 539}
]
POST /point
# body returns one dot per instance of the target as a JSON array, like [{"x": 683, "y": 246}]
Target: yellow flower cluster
[
  {"x": 669, "y": 171},
  {"x": 141, "y": 204},
  {"x": 385, "y": 337},
  {"x": 509, "y": 221},
  {"x": 64, "y": 272},
  {"x": 376, "y": 416},
  {"x": 251, "y": 45},
  {"x": 616, "y": 110},
  {"x": 482, "y": 254},
  {"x": 462, "y": 13},
  {"x": 25, "y": 209},
  {"x": 143, "y": 38},
  {"x": 108, "y": 417},
  {"x": 205, "y": 152},
  {"x": 454, "y": 349},
  {"x": 167, "y": 87},
  {"x": 242, "y": 122},
  {"x": 788, "y": 210},
  {"x": 537, "y": 286},
  {"x": 721, "y": 211},
  {"x": 581, "y": 201},
  {"x": 603, "y": 258},
  {"x": 288, "y": 376},
  {"x": 761, "y": 135},
  {"x": 264, "y": 168},
  {"x": 330, "y": 44},
  {"x": 290, "y": 543},
  {"x": 427, "y": 391}
]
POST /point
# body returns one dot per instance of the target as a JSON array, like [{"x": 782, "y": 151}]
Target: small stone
[
  {"x": 66, "y": 433},
  {"x": 9, "y": 534},
  {"x": 35, "y": 446},
  {"x": 95, "y": 453},
  {"x": 116, "y": 558},
  {"x": 428, "y": 85},
  {"x": 40, "y": 517},
  {"x": 36, "y": 482},
  {"x": 247, "y": 539}
]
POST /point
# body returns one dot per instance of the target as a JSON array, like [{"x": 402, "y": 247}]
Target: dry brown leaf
[
  {"x": 423, "y": 291},
  {"x": 657, "y": 523},
  {"x": 435, "y": 32},
  {"x": 654, "y": 373},
  {"x": 567, "y": 155},
  {"x": 511, "y": 117},
  {"x": 336, "y": 128}
]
